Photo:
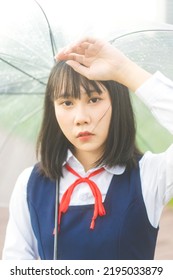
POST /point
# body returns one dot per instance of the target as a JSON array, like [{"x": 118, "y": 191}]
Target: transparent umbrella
[
  {"x": 152, "y": 49},
  {"x": 28, "y": 44},
  {"x": 27, "y": 49}
]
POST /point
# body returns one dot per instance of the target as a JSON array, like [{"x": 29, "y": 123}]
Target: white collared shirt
[{"x": 155, "y": 171}]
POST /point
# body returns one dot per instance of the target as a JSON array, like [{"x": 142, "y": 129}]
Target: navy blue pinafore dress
[{"x": 124, "y": 233}]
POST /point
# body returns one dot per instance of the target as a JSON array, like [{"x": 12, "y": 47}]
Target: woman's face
[{"x": 85, "y": 121}]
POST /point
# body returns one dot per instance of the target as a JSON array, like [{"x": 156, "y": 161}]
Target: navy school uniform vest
[{"x": 124, "y": 233}]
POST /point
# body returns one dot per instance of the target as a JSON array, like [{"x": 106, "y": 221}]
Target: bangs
[{"x": 66, "y": 82}]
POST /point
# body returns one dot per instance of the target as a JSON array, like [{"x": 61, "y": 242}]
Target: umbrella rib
[
  {"x": 139, "y": 31},
  {"x": 52, "y": 40},
  {"x": 22, "y": 71}
]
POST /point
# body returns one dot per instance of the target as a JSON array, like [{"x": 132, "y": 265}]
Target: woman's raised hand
[{"x": 99, "y": 60}]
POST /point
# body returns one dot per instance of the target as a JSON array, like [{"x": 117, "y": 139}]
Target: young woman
[{"x": 110, "y": 195}]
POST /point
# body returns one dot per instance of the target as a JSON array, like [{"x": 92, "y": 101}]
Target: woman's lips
[{"x": 85, "y": 135}]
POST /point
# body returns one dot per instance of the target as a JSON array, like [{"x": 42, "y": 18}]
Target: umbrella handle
[{"x": 55, "y": 253}]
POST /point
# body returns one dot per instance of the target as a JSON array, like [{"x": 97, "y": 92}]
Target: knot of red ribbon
[{"x": 65, "y": 201}]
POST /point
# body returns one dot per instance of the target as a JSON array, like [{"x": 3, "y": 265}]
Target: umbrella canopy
[
  {"x": 152, "y": 49},
  {"x": 28, "y": 43}
]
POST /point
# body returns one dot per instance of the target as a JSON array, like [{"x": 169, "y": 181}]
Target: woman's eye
[
  {"x": 94, "y": 100},
  {"x": 67, "y": 103}
]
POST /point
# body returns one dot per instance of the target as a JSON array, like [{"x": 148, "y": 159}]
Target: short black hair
[{"x": 52, "y": 145}]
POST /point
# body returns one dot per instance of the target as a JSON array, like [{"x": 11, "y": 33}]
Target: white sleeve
[
  {"x": 157, "y": 182},
  {"x": 157, "y": 169},
  {"x": 20, "y": 242},
  {"x": 157, "y": 94}
]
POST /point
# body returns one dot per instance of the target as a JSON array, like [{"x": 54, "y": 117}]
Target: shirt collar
[
  {"x": 116, "y": 170},
  {"x": 72, "y": 160}
]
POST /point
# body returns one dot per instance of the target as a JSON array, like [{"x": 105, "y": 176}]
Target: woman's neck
[{"x": 87, "y": 159}]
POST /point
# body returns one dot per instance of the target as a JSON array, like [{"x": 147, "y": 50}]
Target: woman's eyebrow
[
  {"x": 93, "y": 91},
  {"x": 89, "y": 92},
  {"x": 64, "y": 95}
]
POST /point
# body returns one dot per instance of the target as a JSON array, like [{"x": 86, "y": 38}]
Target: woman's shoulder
[
  {"x": 22, "y": 181},
  {"x": 25, "y": 174},
  {"x": 151, "y": 158},
  {"x": 156, "y": 162}
]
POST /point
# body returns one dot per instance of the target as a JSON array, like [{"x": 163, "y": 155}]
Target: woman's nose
[{"x": 82, "y": 116}]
